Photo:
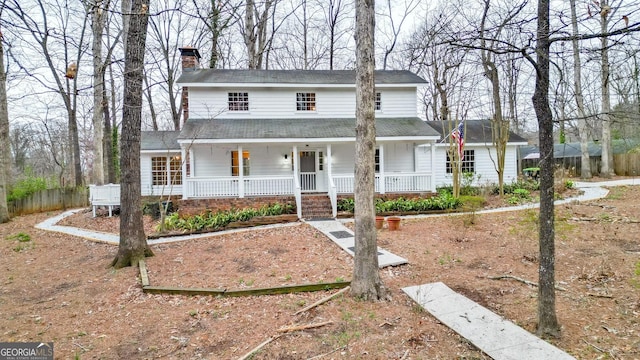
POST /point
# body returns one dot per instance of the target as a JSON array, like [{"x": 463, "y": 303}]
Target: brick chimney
[
  {"x": 190, "y": 58},
  {"x": 190, "y": 62}
]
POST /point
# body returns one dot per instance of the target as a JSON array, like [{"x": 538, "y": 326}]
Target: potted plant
[{"x": 394, "y": 223}]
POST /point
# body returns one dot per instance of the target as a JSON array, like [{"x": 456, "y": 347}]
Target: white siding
[
  {"x": 398, "y": 157},
  {"x": 343, "y": 158},
  {"x": 145, "y": 174},
  {"x": 281, "y": 103},
  {"x": 211, "y": 161},
  {"x": 483, "y": 165}
]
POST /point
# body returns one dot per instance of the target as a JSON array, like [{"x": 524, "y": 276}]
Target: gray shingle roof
[
  {"x": 476, "y": 131},
  {"x": 159, "y": 140},
  {"x": 241, "y": 129},
  {"x": 570, "y": 150},
  {"x": 311, "y": 77}
]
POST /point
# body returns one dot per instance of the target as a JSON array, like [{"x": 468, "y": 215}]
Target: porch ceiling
[{"x": 312, "y": 128}]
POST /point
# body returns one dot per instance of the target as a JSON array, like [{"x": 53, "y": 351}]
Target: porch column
[
  {"x": 329, "y": 164},
  {"x": 295, "y": 165},
  {"x": 240, "y": 172},
  {"x": 185, "y": 184},
  {"x": 416, "y": 164},
  {"x": 433, "y": 161},
  {"x": 382, "y": 180}
]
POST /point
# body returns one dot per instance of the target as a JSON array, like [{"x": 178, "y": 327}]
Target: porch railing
[
  {"x": 288, "y": 185},
  {"x": 395, "y": 182},
  {"x": 229, "y": 186}
]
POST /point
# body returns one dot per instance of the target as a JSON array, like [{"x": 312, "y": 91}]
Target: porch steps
[{"x": 316, "y": 206}]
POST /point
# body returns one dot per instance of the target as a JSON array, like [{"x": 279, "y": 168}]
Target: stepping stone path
[
  {"x": 343, "y": 237},
  {"x": 495, "y": 336}
]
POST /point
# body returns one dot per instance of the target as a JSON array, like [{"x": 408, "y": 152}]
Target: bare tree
[
  {"x": 585, "y": 168},
  {"x": 488, "y": 51},
  {"x": 547, "y": 320},
  {"x": 133, "y": 242},
  {"x": 395, "y": 26},
  {"x": 167, "y": 31},
  {"x": 606, "y": 162},
  {"x": 46, "y": 38},
  {"x": 98, "y": 11},
  {"x": 334, "y": 15},
  {"x": 220, "y": 16},
  {"x": 366, "y": 283},
  {"x": 255, "y": 31},
  {"x": 5, "y": 157}
]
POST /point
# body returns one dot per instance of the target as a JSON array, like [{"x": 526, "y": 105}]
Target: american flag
[{"x": 458, "y": 136}]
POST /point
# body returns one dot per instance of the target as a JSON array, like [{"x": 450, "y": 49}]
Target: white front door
[
  {"x": 308, "y": 170},
  {"x": 312, "y": 173}
]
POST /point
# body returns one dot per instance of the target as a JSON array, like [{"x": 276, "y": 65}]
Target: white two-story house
[{"x": 288, "y": 133}]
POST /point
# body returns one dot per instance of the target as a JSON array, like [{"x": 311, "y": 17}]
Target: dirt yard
[{"x": 60, "y": 288}]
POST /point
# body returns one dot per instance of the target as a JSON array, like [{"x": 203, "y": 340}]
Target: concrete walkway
[
  {"x": 495, "y": 336},
  {"x": 50, "y": 225},
  {"x": 498, "y": 338},
  {"x": 344, "y": 237}
]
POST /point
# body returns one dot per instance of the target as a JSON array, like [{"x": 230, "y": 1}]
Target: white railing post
[
  {"x": 382, "y": 186},
  {"x": 183, "y": 168}
]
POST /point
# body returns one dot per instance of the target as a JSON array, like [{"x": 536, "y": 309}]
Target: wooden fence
[
  {"x": 50, "y": 199},
  {"x": 627, "y": 164}
]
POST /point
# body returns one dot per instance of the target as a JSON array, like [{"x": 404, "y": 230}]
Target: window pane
[
  {"x": 159, "y": 170},
  {"x": 306, "y": 101},
  {"x": 176, "y": 170},
  {"x": 377, "y": 160},
  {"x": 238, "y": 101},
  {"x": 468, "y": 162},
  {"x": 378, "y": 101},
  {"x": 235, "y": 163}
]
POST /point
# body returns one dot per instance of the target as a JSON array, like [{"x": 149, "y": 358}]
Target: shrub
[
  {"x": 472, "y": 202},
  {"x": 443, "y": 201},
  {"x": 25, "y": 187},
  {"x": 220, "y": 219}
]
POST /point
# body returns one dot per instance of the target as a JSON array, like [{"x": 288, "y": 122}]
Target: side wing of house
[
  {"x": 479, "y": 160},
  {"x": 161, "y": 164}
]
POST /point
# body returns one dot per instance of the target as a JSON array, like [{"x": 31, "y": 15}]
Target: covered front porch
[{"x": 252, "y": 170}]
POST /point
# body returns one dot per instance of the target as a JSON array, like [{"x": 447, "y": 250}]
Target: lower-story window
[
  {"x": 468, "y": 162},
  {"x": 166, "y": 170},
  {"x": 235, "y": 163}
]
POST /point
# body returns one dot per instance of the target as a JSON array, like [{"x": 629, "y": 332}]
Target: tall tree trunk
[
  {"x": 5, "y": 161},
  {"x": 99, "y": 18},
  {"x": 133, "y": 242},
  {"x": 585, "y": 164},
  {"x": 607, "y": 155},
  {"x": 500, "y": 130},
  {"x": 111, "y": 128},
  {"x": 366, "y": 283},
  {"x": 547, "y": 321}
]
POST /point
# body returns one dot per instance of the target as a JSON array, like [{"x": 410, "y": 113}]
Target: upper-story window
[
  {"x": 306, "y": 101},
  {"x": 378, "y": 101},
  {"x": 238, "y": 101}
]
